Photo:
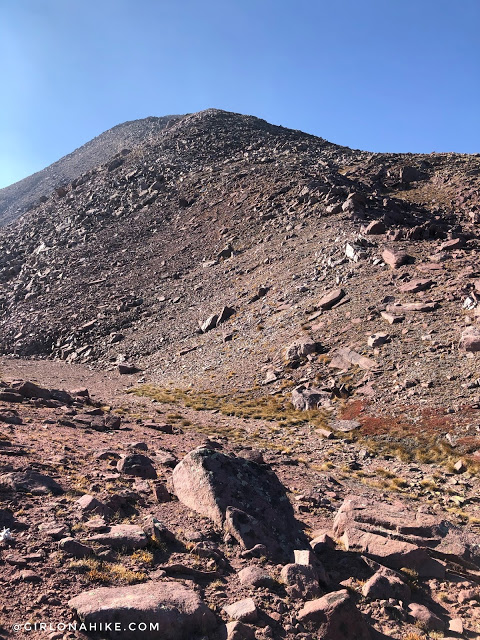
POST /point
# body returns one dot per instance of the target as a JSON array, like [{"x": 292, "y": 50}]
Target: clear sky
[{"x": 382, "y": 75}]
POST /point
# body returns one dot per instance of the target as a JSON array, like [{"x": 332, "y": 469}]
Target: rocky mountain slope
[
  {"x": 308, "y": 314},
  {"x": 25, "y": 194},
  {"x": 221, "y": 210}
]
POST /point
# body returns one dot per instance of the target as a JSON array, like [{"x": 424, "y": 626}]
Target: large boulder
[
  {"x": 398, "y": 537},
  {"x": 245, "y": 498},
  {"x": 301, "y": 581},
  {"x": 154, "y": 610}
]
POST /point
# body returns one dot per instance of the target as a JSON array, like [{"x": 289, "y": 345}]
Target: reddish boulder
[
  {"x": 414, "y": 286},
  {"x": 74, "y": 548},
  {"x": 330, "y": 299},
  {"x": 245, "y": 498},
  {"x": 470, "y": 340},
  {"x": 168, "y": 609},
  {"x": 32, "y": 390},
  {"x": 335, "y": 617},
  {"x": 375, "y": 227},
  {"x": 385, "y": 584},
  {"x": 412, "y": 307},
  {"x": 239, "y": 631},
  {"x": 454, "y": 243},
  {"x": 395, "y": 259},
  {"x": 397, "y": 536},
  {"x": 30, "y": 482},
  {"x": 255, "y": 577},
  {"x": 122, "y": 536}
]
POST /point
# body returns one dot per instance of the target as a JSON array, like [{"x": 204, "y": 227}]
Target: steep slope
[
  {"x": 128, "y": 261},
  {"x": 19, "y": 197}
]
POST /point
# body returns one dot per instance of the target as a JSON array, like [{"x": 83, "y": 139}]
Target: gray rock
[
  {"x": 255, "y": 577},
  {"x": 242, "y": 610},
  {"x": 30, "y": 482},
  {"x": 301, "y": 581},
  {"x": 138, "y": 466}
]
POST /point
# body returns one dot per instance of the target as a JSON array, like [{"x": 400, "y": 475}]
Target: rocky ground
[
  {"x": 242, "y": 528},
  {"x": 240, "y": 391}
]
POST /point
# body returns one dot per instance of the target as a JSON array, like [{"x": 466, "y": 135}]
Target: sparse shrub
[{"x": 107, "y": 572}]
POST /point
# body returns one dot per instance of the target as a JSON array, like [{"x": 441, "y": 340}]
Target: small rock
[
  {"x": 456, "y": 625},
  {"x": 470, "y": 340},
  {"x": 53, "y": 530},
  {"x": 414, "y": 286},
  {"x": 239, "y": 631},
  {"x": 88, "y": 503},
  {"x": 137, "y": 465},
  {"x": 302, "y": 581},
  {"x": 242, "y": 610},
  {"x": 429, "y": 620},
  {"x": 454, "y": 243},
  {"x": 378, "y": 339},
  {"x": 303, "y": 556},
  {"x": 334, "y": 617},
  {"x": 376, "y": 227},
  {"x": 391, "y": 318},
  {"x": 299, "y": 350},
  {"x": 127, "y": 369},
  {"x": 256, "y": 577},
  {"x": 209, "y": 324},
  {"x": 322, "y": 543},
  {"x": 74, "y": 548},
  {"x": 27, "y": 575},
  {"x": 165, "y": 458},
  {"x": 395, "y": 259},
  {"x": 385, "y": 584},
  {"x": 304, "y": 398},
  {"x": 330, "y": 299},
  {"x": 161, "y": 492},
  {"x": 122, "y": 536}
]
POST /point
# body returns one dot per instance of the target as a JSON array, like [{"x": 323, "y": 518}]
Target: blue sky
[{"x": 382, "y": 75}]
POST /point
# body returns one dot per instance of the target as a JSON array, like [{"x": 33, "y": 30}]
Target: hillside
[
  {"x": 127, "y": 261},
  {"x": 269, "y": 345},
  {"x": 21, "y": 196}
]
